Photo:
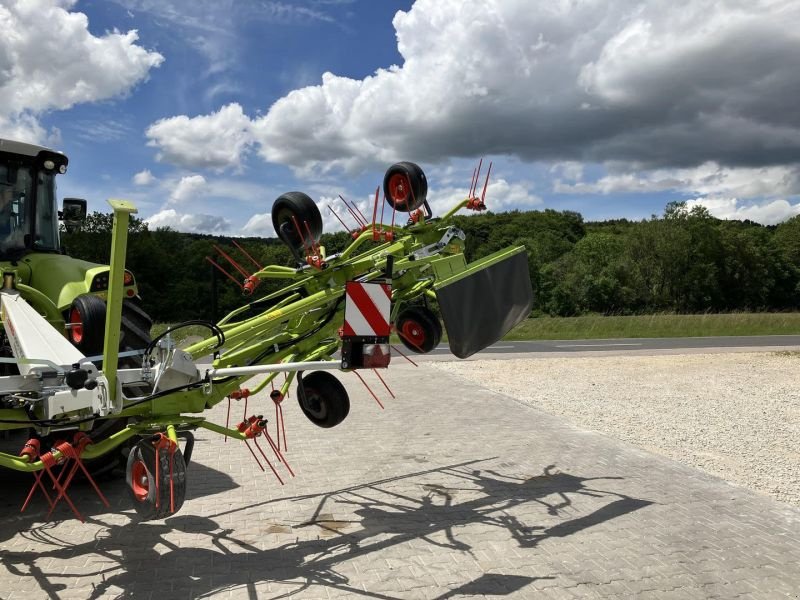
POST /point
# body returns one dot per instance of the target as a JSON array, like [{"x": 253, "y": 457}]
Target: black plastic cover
[{"x": 480, "y": 309}]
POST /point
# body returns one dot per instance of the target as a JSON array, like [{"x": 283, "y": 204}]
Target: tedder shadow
[
  {"x": 15, "y": 487},
  {"x": 128, "y": 558}
]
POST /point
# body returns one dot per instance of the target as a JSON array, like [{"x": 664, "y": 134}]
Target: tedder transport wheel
[
  {"x": 323, "y": 399},
  {"x": 151, "y": 497},
  {"x": 405, "y": 186},
  {"x": 419, "y": 329},
  {"x": 304, "y": 211}
]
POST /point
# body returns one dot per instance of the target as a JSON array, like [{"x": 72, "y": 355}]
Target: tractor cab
[
  {"x": 28, "y": 210},
  {"x": 70, "y": 292}
]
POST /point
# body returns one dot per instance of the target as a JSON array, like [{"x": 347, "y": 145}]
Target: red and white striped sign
[{"x": 367, "y": 309}]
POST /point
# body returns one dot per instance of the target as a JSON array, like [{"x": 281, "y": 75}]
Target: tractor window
[
  {"x": 14, "y": 194},
  {"x": 46, "y": 219}
]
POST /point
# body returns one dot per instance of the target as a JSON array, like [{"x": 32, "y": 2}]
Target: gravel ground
[{"x": 736, "y": 416}]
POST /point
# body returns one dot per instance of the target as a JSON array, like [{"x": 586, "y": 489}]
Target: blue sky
[{"x": 203, "y": 112}]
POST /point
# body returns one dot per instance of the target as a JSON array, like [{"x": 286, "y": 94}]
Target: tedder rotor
[{"x": 345, "y": 304}]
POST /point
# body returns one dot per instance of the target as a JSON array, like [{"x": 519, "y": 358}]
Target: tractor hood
[{"x": 61, "y": 278}]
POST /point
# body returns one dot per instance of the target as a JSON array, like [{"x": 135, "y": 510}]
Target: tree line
[{"x": 683, "y": 261}]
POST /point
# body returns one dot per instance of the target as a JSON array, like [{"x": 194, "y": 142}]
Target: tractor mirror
[{"x": 74, "y": 209}]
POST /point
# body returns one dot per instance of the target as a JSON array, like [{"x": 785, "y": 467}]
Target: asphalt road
[{"x": 633, "y": 344}]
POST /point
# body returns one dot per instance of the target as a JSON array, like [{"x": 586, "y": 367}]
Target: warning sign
[{"x": 367, "y": 309}]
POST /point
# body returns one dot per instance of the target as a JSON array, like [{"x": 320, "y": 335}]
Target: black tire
[
  {"x": 106, "y": 464},
  {"x": 323, "y": 399},
  {"x": 419, "y": 329},
  {"x": 87, "y": 324},
  {"x": 405, "y": 186},
  {"x": 135, "y": 329},
  {"x": 140, "y": 475},
  {"x": 302, "y": 208}
]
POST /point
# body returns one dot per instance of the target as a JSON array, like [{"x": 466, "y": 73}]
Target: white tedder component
[
  {"x": 32, "y": 337},
  {"x": 45, "y": 356},
  {"x": 179, "y": 369}
]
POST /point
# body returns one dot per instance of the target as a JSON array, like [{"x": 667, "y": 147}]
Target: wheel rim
[
  {"x": 76, "y": 329},
  {"x": 413, "y": 333},
  {"x": 140, "y": 481},
  {"x": 315, "y": 404},
  {"x": 398, "y": 184}
]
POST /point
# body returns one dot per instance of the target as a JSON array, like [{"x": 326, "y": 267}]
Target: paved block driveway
[{"x": 452, "y": 491}]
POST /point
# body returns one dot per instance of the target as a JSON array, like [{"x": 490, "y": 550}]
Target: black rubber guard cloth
[{"x": 481, "y": 308}]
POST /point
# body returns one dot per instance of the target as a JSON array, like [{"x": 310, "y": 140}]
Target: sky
[{"x": 202, "y": 112}]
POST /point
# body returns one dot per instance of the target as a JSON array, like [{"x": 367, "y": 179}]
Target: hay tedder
[{"x": 333, "y": 313}]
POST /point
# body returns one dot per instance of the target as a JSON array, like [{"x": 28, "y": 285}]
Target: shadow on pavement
[
  {"x": 140, "y": 558},
  {"x": 16, "y": 485}
]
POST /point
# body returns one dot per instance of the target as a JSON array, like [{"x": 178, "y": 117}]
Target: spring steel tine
[
  {"x": 277, "y": 452},
  {"x": 228, "y": 419},
  {"x": 383, "y": 205},
  {"x": 228, "y": 275},
  {"x": 472, "y": 184},
  {"x": 384, "y": 383},
  {"x": 361, "y": 220},
  {"x": 346, "y": 228},
  {"x": 302, "y": 237},
  {"x": 269, "y": 464},
  {"x": 312, "y": 242},
  {"x": 400, "y": 352},
  {"x": 280, "y": 427},
  {"x": 486, "y": 183},
  {"x": 231, "y": 260},
  {"x": 258, "y": 462},
  {"x": 357, "y": 374},
  {"x": 243, "y": 251},
  {"x": 375, "y": 210},
  {"x": 477, "y": 177},
  {"x": 358, "y": 210},
  {"x": 413, "y": 197}
]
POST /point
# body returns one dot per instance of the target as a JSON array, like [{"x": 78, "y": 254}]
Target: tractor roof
[
  {"x": 13, "y": 147},
  {"x": 37, "y": 153}
]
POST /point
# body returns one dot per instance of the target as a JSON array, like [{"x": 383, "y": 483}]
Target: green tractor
[{"x": 70, "y": 293}]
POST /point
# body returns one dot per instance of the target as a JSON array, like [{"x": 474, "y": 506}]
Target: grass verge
[{"x": 662, "y": 325}]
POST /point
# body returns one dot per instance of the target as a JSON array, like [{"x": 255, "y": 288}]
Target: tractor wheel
[
  {"x": 323, "y": 399},
  {"x": 135, "y": 330},
  {"x": 291, "y": 207},
  {"x": 419, "y": 329},
  {"x": 151, "y": 496},
  {"x": 87, "y": 327},
  {"x": 87, "y": 324},
  {"x": 405, "y": 186}
]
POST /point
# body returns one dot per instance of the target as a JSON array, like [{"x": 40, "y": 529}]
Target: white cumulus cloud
[
  {"x": 49, "y": 60},
  {"x": 259, "y": 225},
  {"x": 706, "y": 179},
  {"x": 661, "y": 84},
  {"x": 767, "y": 213},
  {"x": 144, "y": 177},
  {"x": 500, "y": 195},
  {"x": 219, "y": 140},
  {"x": 192, "y": 223},
  {"x": 189, "y": 187}
]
